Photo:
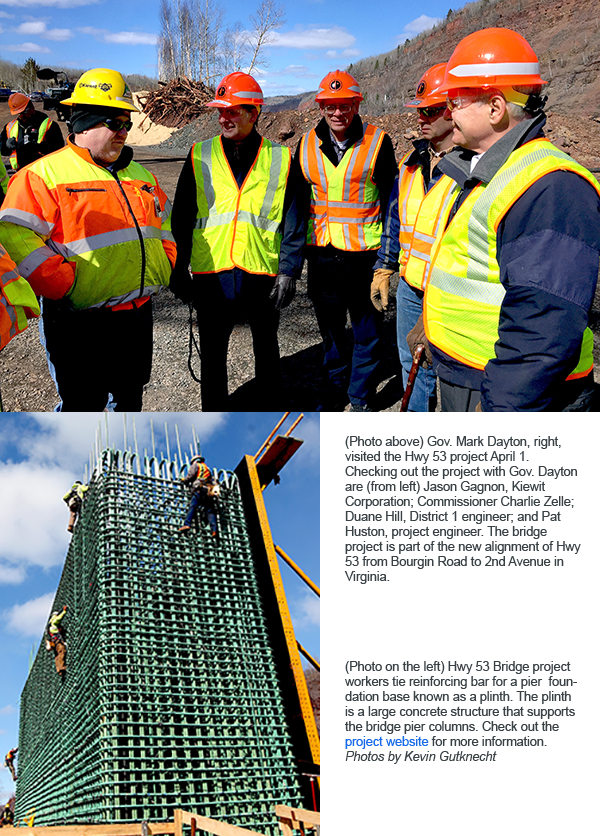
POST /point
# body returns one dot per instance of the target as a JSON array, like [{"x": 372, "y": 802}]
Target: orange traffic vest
[
  {"x": 17, "y": 300},
  {"x": 344, "y": 204},
  {"x": 429, "y": 221}
]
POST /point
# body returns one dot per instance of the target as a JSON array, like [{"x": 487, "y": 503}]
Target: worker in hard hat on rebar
[
  {"x": 9, "y": 761},
  {"x": 56, "y": 640},
  {"x": 205, "y": 492},
  {"x": 74, "y": 499},
  {"x": 8, "y": 816}
]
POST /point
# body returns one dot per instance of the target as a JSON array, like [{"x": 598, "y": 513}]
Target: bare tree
[{"x": 269, "y": 16}]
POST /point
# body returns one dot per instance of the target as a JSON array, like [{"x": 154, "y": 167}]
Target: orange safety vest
[
  {"x": 344, "y": 203},
  {"x": 17, "y": 300},
  {"x": 76, "y": 230},
  {"x": 12, "y": 130},
  {"x": 430, "y": 220}
]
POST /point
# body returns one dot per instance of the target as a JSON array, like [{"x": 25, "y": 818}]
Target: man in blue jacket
[{"x": 507, "y": 303}]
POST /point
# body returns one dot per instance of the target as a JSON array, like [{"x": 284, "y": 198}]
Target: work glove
[
  {"x": 181, "y": 284},
  {"x": 380, "y": 288},
  {"x": 416, "y": 337},
  {"x": 283, "y": 291},
  {"x": 11, "y": 143}
]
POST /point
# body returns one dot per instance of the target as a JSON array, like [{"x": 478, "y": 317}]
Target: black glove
[
  {"x": 11, "y": 143},
  {"x": 181, "y": 284},
  {"x": 417, "y": 337},
  {"x": 283, "y": 291}
]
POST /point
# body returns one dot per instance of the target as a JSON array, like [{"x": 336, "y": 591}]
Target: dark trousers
[
  {"x": 201, "y": 499},
  {"x": 339, "y": 283},
  {"x": 98, "y": 352},
  {"x": 221, "y": 304}
]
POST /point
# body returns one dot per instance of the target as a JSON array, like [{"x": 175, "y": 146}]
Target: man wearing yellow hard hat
[{"x": 89, "y": 229}]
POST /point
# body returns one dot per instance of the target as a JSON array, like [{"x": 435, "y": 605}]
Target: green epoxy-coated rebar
[{"x": 171, "y": 697}]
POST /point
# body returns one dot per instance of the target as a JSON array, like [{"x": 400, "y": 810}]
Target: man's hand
[
  {"x": 283, "y": 291},
  {"x": 416, "y": 337},
  {"x": 181, "y": 284},
  {"x": 380, "y": 288}
]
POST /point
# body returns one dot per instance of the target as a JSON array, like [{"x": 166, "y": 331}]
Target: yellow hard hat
[{"x": 102, "y": 87}]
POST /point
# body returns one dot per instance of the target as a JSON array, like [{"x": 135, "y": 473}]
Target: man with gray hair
[{"x": 514, "y": 270}]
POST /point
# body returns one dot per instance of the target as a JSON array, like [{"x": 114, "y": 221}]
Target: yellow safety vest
[
  {"x": 426, "y": 216},
  {"x": 344, "y": 205},
  {"x": 12, "y": 130},
  {"x": 464, "y": 295},
  {"x": 238, "y": 227}
]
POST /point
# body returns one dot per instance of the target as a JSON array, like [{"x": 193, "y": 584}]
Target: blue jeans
[
  {"x": 409, "y": 306},
  {"x": 200, "y": 499}
]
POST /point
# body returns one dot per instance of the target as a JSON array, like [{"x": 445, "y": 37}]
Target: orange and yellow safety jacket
[
  {"x": 344, "y": 201},
  {"x": 81, "y": 232},
  {"x": 17, "y": 300},
  {"x": 12, "y": 131}
]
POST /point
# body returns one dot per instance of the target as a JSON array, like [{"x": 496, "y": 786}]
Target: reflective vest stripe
[
  {"x": 431, "y": 218},
  {"x": 28, "y": 219},
  {"x": 132, "y": 296},
  {"x": 238, "y": 227},
  {"x": 463, "y": 296},
  {"x": 106, "y": 239},
  {"x": 35, "y": 259},
  {"x": 17, "y": 300},
  {"x": 344, "y": 208}
]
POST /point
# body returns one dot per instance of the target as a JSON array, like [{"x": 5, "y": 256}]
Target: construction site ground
[{"x": 25, "y": 382}]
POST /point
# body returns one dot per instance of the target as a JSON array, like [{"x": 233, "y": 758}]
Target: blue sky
[
  {"x": 40, "y": 457},
  {"x": 318, "y": 36}
]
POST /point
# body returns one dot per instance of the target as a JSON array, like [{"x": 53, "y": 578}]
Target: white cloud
[
  {"x": 313, "y": 37},
  {"x": 331, "y": 53},
  {"x": 12, "y": 575},
  {"x": 26, "y": 47},
  {"x": 418, "y": 25},
  {"x": 6, "y": 14},
  {"x": 39, "y": 27},
  {"x": 32, "y": 517},
  {"x": 8, "y": 709},
  {"x": 351, "y": 53},
  {"x": 131, "y": 38},
  {"x": 30, "y": 618},
  {"x": 307, "y": 610}
]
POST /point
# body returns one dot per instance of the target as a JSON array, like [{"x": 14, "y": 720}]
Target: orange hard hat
[
  {"x": 338, "y": 85},
  {"x": 430, "y": 81},
  {"x": 237, "y": 89},
  {"x": 18, "y": 102},
  {"x": 492, "y": 58}
]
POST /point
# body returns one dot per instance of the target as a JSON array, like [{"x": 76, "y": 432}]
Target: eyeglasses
[
  {"x": 458, "y": 102},
  {"x": 331, "y": 109},
  {"x": 434, "y": 110},
  {"x": 116, "y": 125}
]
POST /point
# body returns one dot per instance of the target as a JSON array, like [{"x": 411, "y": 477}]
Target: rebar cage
[{"x": 171, "y": 696}]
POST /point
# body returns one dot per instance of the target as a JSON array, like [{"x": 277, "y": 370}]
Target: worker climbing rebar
[
  {"x": 8, "y": 816},
  {"x": 205, "y": 492},
  {"x": 9, "y": 761},
  {"x": 74, "y": 499},
  {"x": 56, "y": 641}
]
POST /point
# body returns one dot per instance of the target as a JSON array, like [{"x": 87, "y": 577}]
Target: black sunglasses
[
  {"x": 116, "y": 125},
  {"x": 434, "y": 110}
]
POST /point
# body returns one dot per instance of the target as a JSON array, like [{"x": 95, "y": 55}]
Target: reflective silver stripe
[
  {"x": 490, "y": 69},
  {"x": 405, "y": 246},
  {"x": 346, "y": 231},
  {"x": 12, "y": 315},
  {"x": 346, "y": 204},
  {"x": 28, "y": 219},
  {"x": 167, "y": 235},
  {"x": 34, "y": 260},
  {"x": 404, "y": 219},
  {"x": 407, "y": 228},
  {"x": 348, "y": 172},
  {"x": 206, "y": 165},
  {"x": 421, "y": 254},
  {"x": 488, "y": 293},
  {"x": 320, "y": 164},
  {"x": 215, "y": 219},
  {"x": 369, "y": 162},
  {"x": 258, "y": 222},
  {"x": 274, "y": 174},
  {"x": 344, "y": 219},
  {"x": 109, "y": 239},
  {"x": 361, "y": 237},
  {"x": 422, "y": 236},
  {"x": 128, "y": 297},
  {"x": 166, "y": 211},
  {"x": 246, "y": 94}
]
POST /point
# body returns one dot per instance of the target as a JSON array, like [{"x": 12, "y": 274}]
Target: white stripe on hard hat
[
  {"x": 247, "y": 94},
  {"x": 495, "y": 69}
]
